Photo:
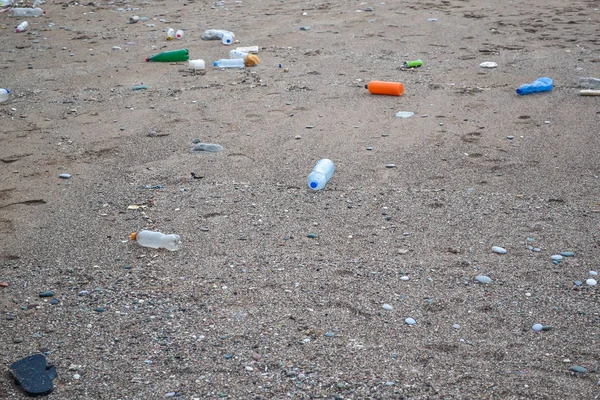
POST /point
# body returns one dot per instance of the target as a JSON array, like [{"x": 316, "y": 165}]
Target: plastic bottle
[
  {"x": 589, "y": 83},
  {"x": 229, "y": 63},
  {"x": 413, "y": 64},
  {"x": 157, "y": 240},
  {"x": 170, "y": 33},
  {"x": 4, "y": 95},
  {"x": 22, "y": 27},
  {"x": 238, "y": 54},
  {"x": 227, "y": 38},
  {"x": 387, "y": 88},
  {"x": 4, "y": 3},
  {"x": 196, "y": 64},
  {"x": 179, "y": 34},
  {"x": 170, "y": 56},
  {"x": 321, "y": 174},
  {"x": 539, "y": 85},
  {"x": 27, "y": 12}
]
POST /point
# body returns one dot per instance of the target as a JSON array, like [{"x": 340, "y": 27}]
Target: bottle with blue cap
[
  {"x": 4, "y": 95},
  {"x": 321, "y": 174},
  {"x": 229, "y": 63}
]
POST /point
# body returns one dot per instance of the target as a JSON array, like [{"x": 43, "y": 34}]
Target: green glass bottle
[{"x": 170, "y": 56}]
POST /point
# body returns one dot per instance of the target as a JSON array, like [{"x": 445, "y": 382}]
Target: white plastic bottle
[
  {"x": 4, "y": 95},
  {"x": 321, "y": 174},
  {"x": 227, "y": 38},
  {"x": 170, "y": 33},
  {"x": 28, "y": 12},
  {"x": 22, "y": 27},
  {"x": 4, "y": 3},
  {"x": 179, "y": 34},
  {"x": 237, "y": 54},
  {"x": 229, "y": 63},
  {"x": 157, "y": 240},
  {"x": 196, "y": 64}
]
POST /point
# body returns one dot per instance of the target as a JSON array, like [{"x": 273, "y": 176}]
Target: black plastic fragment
[{"x": 34, "y": 375}]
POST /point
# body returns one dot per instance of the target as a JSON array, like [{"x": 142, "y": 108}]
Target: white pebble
[
  {"x": 404, "y": 114},
  {"x": 410, "y": 321},
  {"x": 483, "y": 279},
  {"x": 499, "y": 250},
  {"x": 557, "y": 257},
  {"x": 249, "y": 368},
  {"x": 488, "y": 64},
  {"x": 593, "y": 273},
  {"x": 76, "y": 377},
  {"x": 387, "y": 307},
  {"x": 591, "y": 282},
  {"x": 456, "y": 326},
  {"x": 404, "y": 278},
  {"x": 537, "y": 327}
]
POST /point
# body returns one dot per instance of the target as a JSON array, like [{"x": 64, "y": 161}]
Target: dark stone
[{"x": 34, "y": 375}]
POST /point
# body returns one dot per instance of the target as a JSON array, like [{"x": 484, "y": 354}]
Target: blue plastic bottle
[
  {"x": 539, "y": 85},
  {"x": 321, "y": 174}
]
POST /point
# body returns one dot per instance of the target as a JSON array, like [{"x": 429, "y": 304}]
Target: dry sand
[{"x": 250, "y": 307}]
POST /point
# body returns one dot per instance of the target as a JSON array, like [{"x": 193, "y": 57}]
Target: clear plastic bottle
[
  {"x": 237, "y": 54},
  {"x": 28, "y": 12},
  {"x": 321, "y": 174},
  {"x": 227, "y": 38},
  {"x": 170, "y": 33},
  {"x": 179, "y": 34},
  {"x": 539, "y": 85},
  {"x": 4, "y": 3},
  {"x": 4, "y": 95},
  {"x": 229, "y": 63},
  {"x": 157, "y": 240},
  {"x": 22, "y": 27},
  {"x": 589, "y": 83}
]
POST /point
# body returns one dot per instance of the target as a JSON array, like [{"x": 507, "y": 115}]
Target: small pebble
[
  {"x": 410, "y": 321},
  {"x": 309, "y": 126},
  {"x": 591, "y": 282},
  {"x": 53, "y": 301},
  {"x": 567, "y": 253},
  {"x": 48, "y": 293},
  {"x": 578, "y": 283},
  {"x": 488, "y": 64},
  {"x": 76, "y": 377},
  {"x": 389, "y": 383},
  {"x": 329, "y": 334},
  {"x": 369, "y": 148},
  {"x": 249, "y": 368},
  {"x": 509, "y": 137},
  {"x": 593, "y": 273},
  {"x": 537, "y": 327},
  {"x": 499, "y": 250},
  {"x": 404, "y": 278},
  {"x": 305, "y": 28},
  {"x": 228, "y": 356},
  {"x": 557, "y": 257},
  {"x": 456, "y": 326},
  {"x": 206, "y": 148},
  {"x": 18, "y": 340},
  {"x": 432, "y": 19},
  {"x": 483, "y": 279},
  {"x": 65, "y": 176},
  {"x": 99, "y": 309},
  {"x": 537, "y": 249},
  {"x": 387, "y": 307},
  {"x": 404, "y": 114},
  {"x": 312, "y": 235},
  {"x": 390, "y": 165}
]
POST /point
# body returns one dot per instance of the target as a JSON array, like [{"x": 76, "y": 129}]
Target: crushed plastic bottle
[
  {"x": 543, "y": 84},
  {"x": 27, "y": 12},
  {"x": 157, "y": 240},
  {"x": 22, "y": 27},
  {"x": 218, "y": 34},
  {"x": 237, "y": 54},
  {"x": 320, "y": 174},
  {"x": 229, "y": 63},
  {"x": 4, "y": 95}
]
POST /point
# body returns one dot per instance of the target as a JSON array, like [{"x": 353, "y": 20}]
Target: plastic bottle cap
[
  {"x": 147, "y": 59},
  {"x": 314, "y": 184},
  {"x": 133, "y": 235},
  {"x": 215, "y": 63}
]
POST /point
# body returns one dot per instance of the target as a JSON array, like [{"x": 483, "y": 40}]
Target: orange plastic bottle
[{"x": 387, "y": 88}]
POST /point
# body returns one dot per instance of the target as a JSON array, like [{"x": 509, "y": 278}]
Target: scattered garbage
[
  {"x": 305, "y": 28},
  {"x": 412, "y": 64},
  {"x": 488, "y": 64},
  {"x": 170, "y": 33},
  {"x": 385, "y": 88},
  {"x": 4, "y": 93},
  {"x": 170, "y": 56},
  {"x": 206, "y": 148},
  {"x": 179, "y": 34},
  {"x": 5, "y": 3},
  {"x": 65, "y": 176},
  {"x": 196, "y": 64},
  {"x": 589, "y": 83},
  {"x": 238, "y": 54},
  {"x": 543, "y": 84},
  {"x": 134, "y": 19},
  {"x": 249, "y": 49},
  {"x": 27, "y": 12},
  {"x": 404, "y": 114},
  {"x": 226, "y": 37},
  {"x": 589, "y": 92},
  {"x": 499, "y": 250},
  {"x": 22, "y": 27},
  {"x": 34, "y": 375},
  {"x": 139, "y": 87},
  {"x": 229, "y": 63},
  {"x": 157, "y": 240},
  {"x": 321, "y": 174}
]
